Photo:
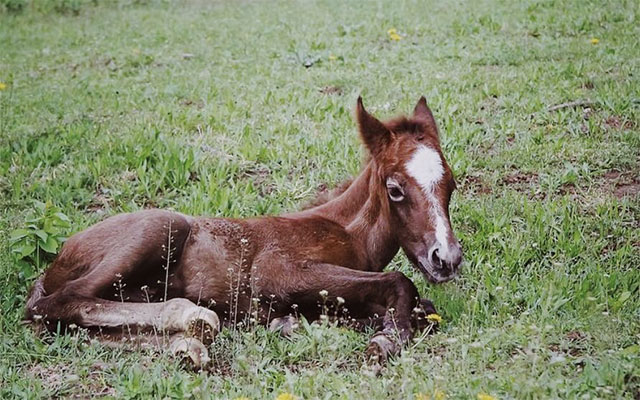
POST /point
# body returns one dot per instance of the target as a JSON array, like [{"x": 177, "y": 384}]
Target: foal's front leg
[
  {"x": 419, "y": 319},
  {"x": 391, "y": 295}
]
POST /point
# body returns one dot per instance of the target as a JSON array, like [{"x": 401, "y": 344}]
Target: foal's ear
[
  {"x": 423, "y": 114},
  {"x": 373, "y": 132}
]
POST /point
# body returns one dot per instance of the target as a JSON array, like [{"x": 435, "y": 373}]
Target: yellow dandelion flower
[
  {"x": 439, "y": 395},
  {"x": 3, "y": 86},
  {"x": 393, "y": 34},
  {"x": 484, "y": 396},
  {"x": 286, "y": 396},
  {"x": 434, "y": 318},
  {"x": 332, "y": 57},
  {"x": 595, "y": 40}
]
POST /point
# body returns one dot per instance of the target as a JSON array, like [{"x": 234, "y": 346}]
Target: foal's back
[{"x": 114, "y": 249}]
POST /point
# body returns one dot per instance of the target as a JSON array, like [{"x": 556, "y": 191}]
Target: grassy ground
[{"x": 244, "y": 108}]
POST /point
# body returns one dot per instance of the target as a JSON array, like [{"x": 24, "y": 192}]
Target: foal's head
[{"x": 415, "y": 183}]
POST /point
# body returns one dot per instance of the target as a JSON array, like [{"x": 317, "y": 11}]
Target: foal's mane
[
  {"x": 404, "y": 124},
  {"x": 327, "y": 195}
]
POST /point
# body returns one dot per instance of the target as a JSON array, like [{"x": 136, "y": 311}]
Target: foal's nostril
[
  {"x": 435, "y": 258},
  {"x": 448, "y": 261}
]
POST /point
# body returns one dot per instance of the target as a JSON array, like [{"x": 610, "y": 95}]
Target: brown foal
[{"x": 151, "y": 270}]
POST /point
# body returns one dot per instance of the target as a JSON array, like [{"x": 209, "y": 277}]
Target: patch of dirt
[
  {"x": 575, "y": 336},
  {"x": 588, "y": 85},
  {"x": 101, "y": 201},
  {"x": 524, "y": 182},
  {"x": 630, "y": 190},
  {"x": 612, "y": 175},
  {"x": 616, "y": 123},
  {"x": 473, "y": 184},
  {"x": 260, "y": 176},
  {"x": 519, "y": 178},
  {"x": 575, "y": 346},
  {"x": 619, "y": 184},
  {"x": 632, "y": 385},
  {"x": 331, "y": 90},
  {"x": 189, "y": 102},
  {"x": 568, "y": 188}
]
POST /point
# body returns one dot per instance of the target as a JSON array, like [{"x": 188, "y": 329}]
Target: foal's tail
[{"x": 37, "y": 292}]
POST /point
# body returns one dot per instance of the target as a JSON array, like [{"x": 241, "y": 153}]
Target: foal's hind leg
[
  {"x": 175, "y": 315},
  {"x": 188, "y": 326}
]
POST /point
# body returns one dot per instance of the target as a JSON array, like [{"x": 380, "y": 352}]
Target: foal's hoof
[
  {"x": 380, "y": 348},
  {"x": 425, "y": 317},
  {"x": 285, "y": 325},
  {"x": 427, "y": 306},
  {"x": 202, "y": 324},
  {"x": 191, "y": 351}
]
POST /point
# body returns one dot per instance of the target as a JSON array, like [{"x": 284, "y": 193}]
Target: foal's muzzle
[{"x": 441, "y": 263}]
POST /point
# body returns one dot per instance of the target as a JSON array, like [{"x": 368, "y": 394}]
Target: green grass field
[{"x": 241, "y": 108}]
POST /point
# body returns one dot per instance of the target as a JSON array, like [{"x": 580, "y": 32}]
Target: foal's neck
[{"x": 363, "y": 211}]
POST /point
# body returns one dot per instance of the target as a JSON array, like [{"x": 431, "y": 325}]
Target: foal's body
[{"x": 155, "y": 269}]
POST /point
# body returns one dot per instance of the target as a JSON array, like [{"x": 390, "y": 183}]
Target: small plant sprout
[{"x": 36, "y": 244}]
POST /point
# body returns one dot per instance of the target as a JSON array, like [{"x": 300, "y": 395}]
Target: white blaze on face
[{"x": 425, "y": 166}]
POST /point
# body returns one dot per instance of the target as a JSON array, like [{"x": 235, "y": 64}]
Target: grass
[{"x": 244, "y": 108}]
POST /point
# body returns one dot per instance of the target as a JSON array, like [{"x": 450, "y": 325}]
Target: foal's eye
[
  {"x": 395, "y": 190},
  {"x": 395, "y": 193},
  {"x": 420, "y": 138}
]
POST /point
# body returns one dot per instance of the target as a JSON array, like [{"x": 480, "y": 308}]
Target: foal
[{"x": 159, "y": 265}]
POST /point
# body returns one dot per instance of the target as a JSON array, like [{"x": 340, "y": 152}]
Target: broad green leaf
[
  {"x": 39, "y": 205},
  {"x": 50, "y": 246},
  {"x": 18, "y": 234},
  {"x": 41, "y": 234},
  {"x": 24, "y": 250},
  {"x": 62, "y": 217}
]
